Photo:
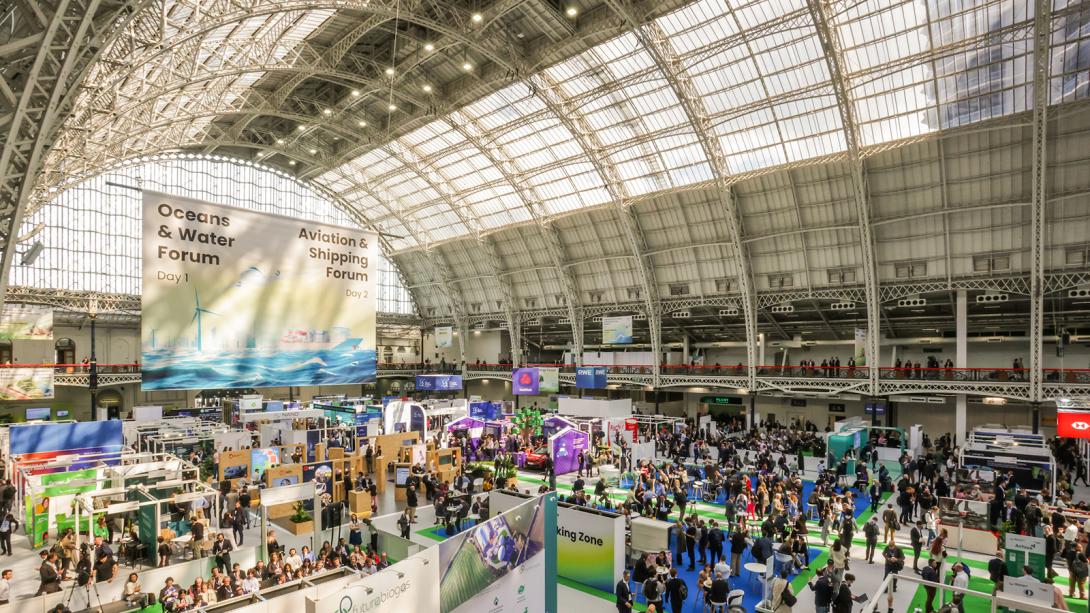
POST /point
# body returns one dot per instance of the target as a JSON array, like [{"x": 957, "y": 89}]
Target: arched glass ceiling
[
  {"x": 913, "y": 68},
  {"x": 91, "y": 232}
]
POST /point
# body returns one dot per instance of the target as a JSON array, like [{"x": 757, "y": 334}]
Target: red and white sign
[{"x": 1073, "y": 424}]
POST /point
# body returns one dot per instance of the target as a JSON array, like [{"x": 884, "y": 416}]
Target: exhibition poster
[
  {"x": 234, "y": 298},
  {"x": 617, "y": 330},
  {"x": 444, "y": 336},
  {"x": 525, "y": 382},
  {"x": 20, "y": 383},
  {"x": 1020, "y": 551},
  {"x": 505, "y": 564},
  {"x": 548, "y": 380},
  {"x": 21, "y": 322},
  {"x": 591, "y": 377}
]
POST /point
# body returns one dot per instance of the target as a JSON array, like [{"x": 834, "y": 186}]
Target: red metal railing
[{"x": 75, "y": 369}]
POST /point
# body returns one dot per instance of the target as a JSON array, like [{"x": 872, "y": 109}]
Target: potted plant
[
  {"x": 506, "y": 473},
  {"x": 301, "y": 521}
]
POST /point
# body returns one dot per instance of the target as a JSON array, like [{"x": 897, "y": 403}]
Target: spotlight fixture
[
  {"x": 362, "y": 123},
  {"x": 300, "y": 127},
  {"x": 427, "y": 89},
  {"x": 477, "y": 17},
  {"x": 355, "y": 92},
  {"x": 279, "y": 141},
  {"x": 291, "y": 162},
  {"x": 314, "y": 152},
  {"x": 572, "y": 11},
  {"x": 429, "y": 47},
  {"x": 390, "y": 71},
  {"x": 327, "y": 112},
  {"x": 467, "y": 66},
  {"x": 392, "y": 107}
]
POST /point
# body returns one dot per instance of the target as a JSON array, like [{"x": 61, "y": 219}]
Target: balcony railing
[
  {"x": 957, "y": 375},
  {"x": 80, "y": 369}
]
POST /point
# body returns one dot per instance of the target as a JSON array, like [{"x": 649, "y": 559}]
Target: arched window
[{"x": 66, "y": 351}]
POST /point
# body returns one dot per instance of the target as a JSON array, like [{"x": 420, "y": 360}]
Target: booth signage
[
  {"x": 1020, "y": 551},
  {"x": 1073, "y": 424},
  {"x": 590, "y": 377},
  {"x": 798, "y": 402},
  {"x": 870, "y": 408},
  {"x": 438, "y": 383},
  {"x": 836, "y": 407},
  {"x": 590, "y": 547},
  {"x": 723, "y": 400},
  {"x": 525, "y": 382}
]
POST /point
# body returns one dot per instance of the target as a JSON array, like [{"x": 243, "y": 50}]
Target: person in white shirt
[
  {"x": 5, "y": 587},
  {"x": 250, "y": 584},
  {"x": 1071, "y": 533},
  {"x": 961, "y": 580},
  {"x": 293, "y": 559}
]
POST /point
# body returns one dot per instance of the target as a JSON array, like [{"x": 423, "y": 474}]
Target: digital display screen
[
  {"x": 38, "y": 413},
  {"x": 62, "y": 412}
]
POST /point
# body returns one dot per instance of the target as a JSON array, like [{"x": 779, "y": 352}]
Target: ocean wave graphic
[{"x": 167, "y": 369}]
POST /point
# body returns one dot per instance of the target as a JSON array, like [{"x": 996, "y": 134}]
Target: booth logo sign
[
  {"x": 374, "y": 600},
  {"x": 1080, "y": 425}
]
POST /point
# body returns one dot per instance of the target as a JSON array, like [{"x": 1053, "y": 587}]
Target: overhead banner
[
  {"x": 549, "y": 380},
  {"x": 234, "y": 298},
  {"x": 1073, "y": 424},
  {"x": 438, "y": 383},
  {"x": 444, "y": 336},
  {"x": 23, "y": 322},
  {"x": 525, "y": 382},
  {"x": 26, "y": 383},
  {"x": 617, "y": 330},
  {"x": 591, "y": 377}
]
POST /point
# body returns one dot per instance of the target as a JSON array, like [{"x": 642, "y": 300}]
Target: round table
[{"x": 756, "y": 569}]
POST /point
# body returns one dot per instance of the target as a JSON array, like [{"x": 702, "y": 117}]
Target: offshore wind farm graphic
[{"x": 255, "y": 326}]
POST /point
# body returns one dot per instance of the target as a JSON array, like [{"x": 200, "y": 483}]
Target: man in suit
[
  {"x": 917, "y": 544},
  {"x": 930, "y": 573},
  {"x": 624, "y": 594},
  {"x": 676, "y": 591}
]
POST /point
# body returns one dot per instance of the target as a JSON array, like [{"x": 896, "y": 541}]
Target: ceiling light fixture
[
  {"x": 355, "y": 92},
  {"x": 390, "y": 72},
  {"x": 362, "y": 123},
  {"x": 572, "y": 11},
  {"x": 279, "y": 141},
  {"x": 477, "y": 17},
  {"x": 301, "y": 127},
  {"x": 291, "y": 162},
  {"x": 392, "y": 107},
  {"x": 314, "y": 152},
  {"x": 467, "y": 66},
  {"x": 427, "y": 89},
  {"x": 327, "y": 112},
  {"x": 429, "y": 47}
]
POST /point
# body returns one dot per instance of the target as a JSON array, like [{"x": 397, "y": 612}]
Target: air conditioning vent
[
  {"x": 1079, "y": 293},
  {"x": 783, "y": 308},
  {"x": 925, "y": 341},
  {"x": 564, "y": 320},
  {"x": 532, "y": 322},
  {"x": 639, "y": 317},
  {"x": 842, "y": 306},
  {"x": 992, "y": 298},
  {"x": 912, "y": 302},
  {"x": 728, "y": 312},
  {"x": 481, "y": 325},
  {"x": 995, "y": 339},
  {"x": 596, "y": 319},
  {"x": 809, "y": 343},
  {"x": 681, "y": 314},
  {"x": 775, "y": 344}
]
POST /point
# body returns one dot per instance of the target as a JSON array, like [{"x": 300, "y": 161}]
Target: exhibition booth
[{"x": 1026, "y": 456}]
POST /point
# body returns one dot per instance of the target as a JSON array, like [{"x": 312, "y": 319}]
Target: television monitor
[
  {"x": 234, "y": 472},
  {"x": 32, "y": 414},
  {"x": 62, "y": 413},
  {"x": 273, "y": 405}
]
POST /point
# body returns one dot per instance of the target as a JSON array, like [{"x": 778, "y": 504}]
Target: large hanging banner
[
  {"x": 18, "y": 383},
  {"x": 21, "y": 322},
  {"x": 617, "y": 330},
  {"x": 240, "y": 299},
  {"x": 549, "y": 380},
  {"x": 444, "y": 336},
  {"x": 525, "y": 382}
]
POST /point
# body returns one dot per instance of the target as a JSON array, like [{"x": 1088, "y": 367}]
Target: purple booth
[{"x": 565, "y": 447}]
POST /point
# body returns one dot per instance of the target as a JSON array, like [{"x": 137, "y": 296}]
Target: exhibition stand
[
  {"x": 1025, "y": 455},
  {"x": 565, "y": 447}
]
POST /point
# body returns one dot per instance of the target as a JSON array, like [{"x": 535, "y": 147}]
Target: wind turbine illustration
[{"x": 197, "y": 310}]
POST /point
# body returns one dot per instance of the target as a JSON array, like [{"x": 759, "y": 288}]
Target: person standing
[
  {"x": 916, "y": 538},
  {"x": 823, "y": 589},
  {"x": 677, "y": 591},
  {"x": 221, "y": 549},
  {"x": 870, "y": 532},
  {"x": 5, "y": 587},
  {"x": 624, "y": 594},
  {"x": 737, "y": 548},
  {"x": 411, "y": 500},
  {"x": 889, "y": 518},
  {"x": 238, "y": 523},
  {"x": 843, "y": 601},
  {"x": 403, "y": 523},
  {"x": 7, "y": 526},
  {"x": 930, "y": 573},
  {"x": 782, "y": 598}
]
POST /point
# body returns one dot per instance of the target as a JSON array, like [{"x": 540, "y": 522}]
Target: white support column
[
  {"x": 685, "y": 350},
  {"x": 961, "y": 359}
]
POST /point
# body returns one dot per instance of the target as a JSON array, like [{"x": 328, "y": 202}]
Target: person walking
[
  {"x": 930, "y": 573},
  {"x": 782, "y": 598},
  {"x": 7, "y": 526},
  {"x": 677, "y": 591}
]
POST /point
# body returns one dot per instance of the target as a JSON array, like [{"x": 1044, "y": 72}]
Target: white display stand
[{"x": 976, "y": 541}]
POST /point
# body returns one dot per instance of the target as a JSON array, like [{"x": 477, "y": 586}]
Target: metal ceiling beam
[
  {"x": 469, "y": 128},
  {"x": 71, "y": 37},
  {"x": 1041, "y": 34},
  {"x": 553, "y": 96},
  {"x": 820, "y": 11},
  {"x": 656, "y": 44}
]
